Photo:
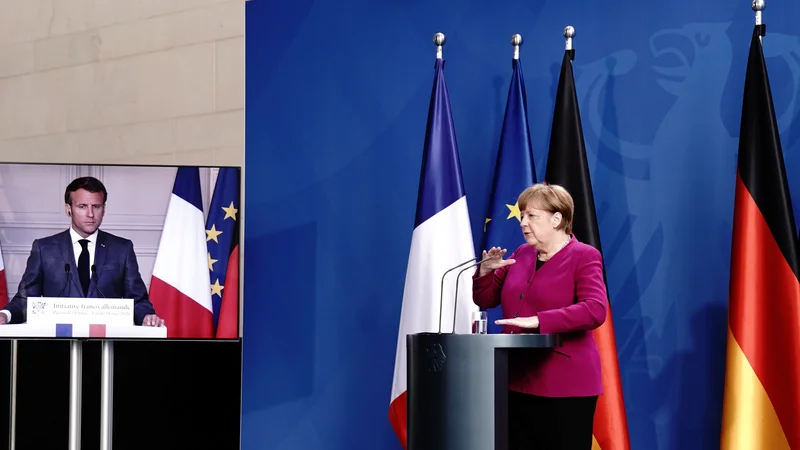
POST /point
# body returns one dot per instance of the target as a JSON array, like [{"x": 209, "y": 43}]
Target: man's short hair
[{"x": 90, "y": 184}]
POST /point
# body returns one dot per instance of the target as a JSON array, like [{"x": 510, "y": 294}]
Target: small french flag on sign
[{"x": 65, "y": 330}]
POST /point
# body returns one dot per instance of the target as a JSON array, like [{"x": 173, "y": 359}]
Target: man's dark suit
[{"x": 116, "y": 276}]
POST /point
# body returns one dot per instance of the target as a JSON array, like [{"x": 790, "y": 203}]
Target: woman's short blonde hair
[{"x": 551, "y": 198}]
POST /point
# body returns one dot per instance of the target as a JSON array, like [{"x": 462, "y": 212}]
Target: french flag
[
  {"x": 180, "y": 286},
  {"x": 79, "y": 330},
  {"x": 442, "y": 238}
]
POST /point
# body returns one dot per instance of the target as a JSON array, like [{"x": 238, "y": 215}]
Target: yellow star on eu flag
[
  {"x": 488, "y": 219},
  {"x": 211, "y": 261},
  {"x": 515, "y": 212},
  {"x": 230, "y": 211},
  {"x": 217, "y": 288},
  {"x": 213, "y": 233}
]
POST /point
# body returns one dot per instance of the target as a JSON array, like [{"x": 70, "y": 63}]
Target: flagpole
[
  {"x": 758, "y": 6},
  {"x": 516, "y": 41},
  {"x": 439, "y": 40},
  {"x": 569, "y": 33}
]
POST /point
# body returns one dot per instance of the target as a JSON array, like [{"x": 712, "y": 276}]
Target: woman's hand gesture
[{"x": 495, "y": 260}]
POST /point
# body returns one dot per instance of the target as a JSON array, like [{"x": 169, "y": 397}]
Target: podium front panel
[{"x": 458, "y": 389}]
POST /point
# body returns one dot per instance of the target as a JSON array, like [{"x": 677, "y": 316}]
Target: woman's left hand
[{"x": 522, "y": 322}]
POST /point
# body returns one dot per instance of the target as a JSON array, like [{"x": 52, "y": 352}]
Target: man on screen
[{"x": 83, "y": 261}]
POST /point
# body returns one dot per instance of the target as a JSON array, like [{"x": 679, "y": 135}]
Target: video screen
[{"x": 119, "y": 252}]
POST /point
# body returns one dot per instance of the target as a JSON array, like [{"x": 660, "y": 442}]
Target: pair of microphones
[
  {"x": 68, "y": 273},
  {"x": 455, "y": 295}
]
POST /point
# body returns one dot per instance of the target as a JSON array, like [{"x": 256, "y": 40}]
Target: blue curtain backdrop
[{"x": 337, "y": 97}]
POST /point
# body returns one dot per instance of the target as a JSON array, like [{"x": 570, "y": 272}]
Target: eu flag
[
  {"x": 514, "y": 171},
  {"x": 222, "y": 239}
]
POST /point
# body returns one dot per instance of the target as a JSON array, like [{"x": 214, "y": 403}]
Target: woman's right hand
[{"x": 495, "y": 261}]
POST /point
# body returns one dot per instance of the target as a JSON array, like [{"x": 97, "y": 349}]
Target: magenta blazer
[{"x": 569, "y": 296}]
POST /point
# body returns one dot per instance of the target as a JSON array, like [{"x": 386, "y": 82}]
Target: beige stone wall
[{"x": 122, "y": 81}]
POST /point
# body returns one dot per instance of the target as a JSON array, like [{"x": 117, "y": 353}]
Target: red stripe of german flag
[{"x": 762, "y": 394}]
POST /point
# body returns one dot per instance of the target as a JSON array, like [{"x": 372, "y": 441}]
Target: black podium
[{"x": 458, "y": 388}]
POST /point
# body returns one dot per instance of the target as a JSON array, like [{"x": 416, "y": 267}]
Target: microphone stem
[
  {"x": 441, "y": 290},
  {"x": 458, "y": 278}
]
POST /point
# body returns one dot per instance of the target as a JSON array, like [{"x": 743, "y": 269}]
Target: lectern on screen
[{"x": 119, "y": 252}]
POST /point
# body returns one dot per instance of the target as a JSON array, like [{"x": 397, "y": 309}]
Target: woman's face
[{"x": 539, "y": 226}]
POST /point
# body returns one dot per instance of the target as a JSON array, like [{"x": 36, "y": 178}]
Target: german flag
[
  {"x": 762, "y": 381},
  {"x": 567, "y": 166}
]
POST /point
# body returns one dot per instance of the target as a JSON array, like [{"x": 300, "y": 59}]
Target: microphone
[
  {"x": 455, "y": 295},
  {"x": 68, "y": 273},
  {"x": 96, "y": 284},
  {"x": 441, "y": 290}
]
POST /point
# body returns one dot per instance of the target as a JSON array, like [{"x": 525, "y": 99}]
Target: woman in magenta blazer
[{"x": 553, "y": 284}]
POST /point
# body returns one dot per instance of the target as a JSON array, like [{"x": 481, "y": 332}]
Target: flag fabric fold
[
  {"x": 179, "y": 287},
  {"x": 222, "y": 239},
  {"x": 514, "y": 171},
  {"x": 442, "y": 238},
  {"x": 761, "y": 408},
  {"x": 567, "y": 166}
]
